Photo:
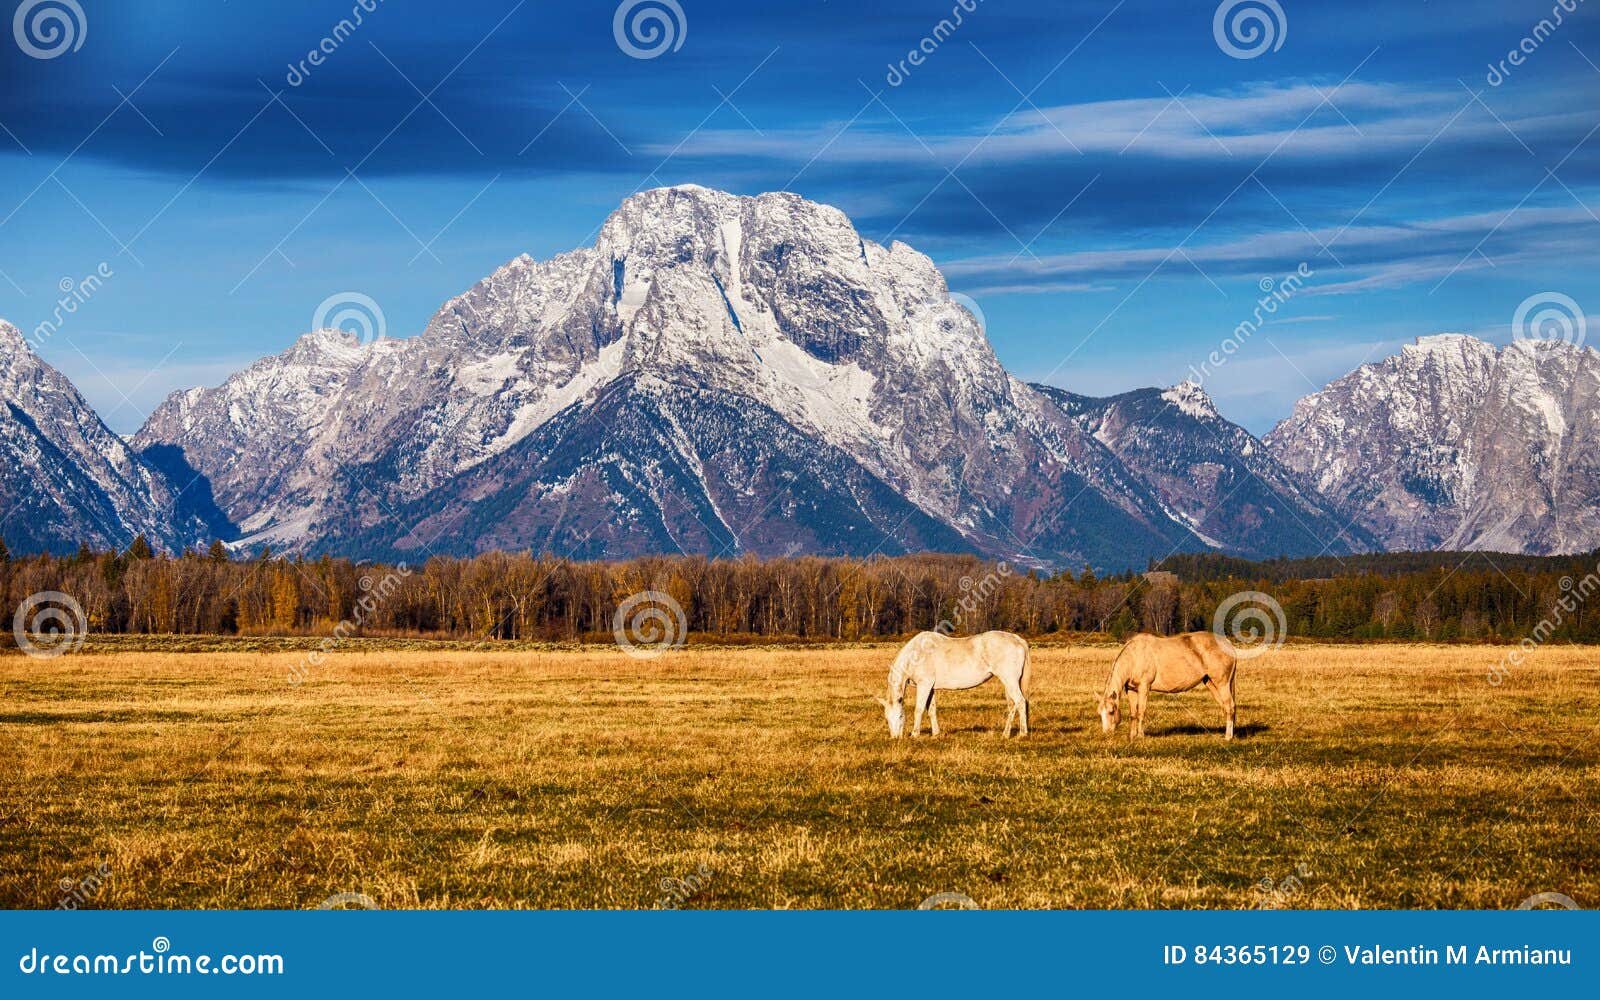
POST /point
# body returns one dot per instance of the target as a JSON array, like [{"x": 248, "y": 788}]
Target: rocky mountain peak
[
  {"x": 1453, "y": 442},
  {"x": 1191, "y": 400},
  {"x": 331, "y": 346}
]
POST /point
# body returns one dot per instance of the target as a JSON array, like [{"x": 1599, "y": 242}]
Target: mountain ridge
[
  {"x": 66, "y": 479},
  {"x": 732, "y": 375}
]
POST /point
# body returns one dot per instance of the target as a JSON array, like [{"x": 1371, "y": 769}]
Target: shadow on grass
[
  {"x": 1035, "y": 729},
  {"x": 48, "y": 718},
  {"x": 1243, "y": 732}
]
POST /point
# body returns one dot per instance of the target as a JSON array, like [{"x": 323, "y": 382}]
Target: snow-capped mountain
[
  {"x": 66, "y": 479},
  {"x": 725, "y": 374},
  {"x": 717, "y": 373},
  {"x": 1212, "y": 475},
  {"x": 268, "y": 438},
  {"x": 1456, "y": 444}
]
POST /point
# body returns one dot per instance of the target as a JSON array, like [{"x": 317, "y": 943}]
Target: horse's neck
[
  {"x": 1116, "y": 682},
  {"x": 897, "y": 682}
]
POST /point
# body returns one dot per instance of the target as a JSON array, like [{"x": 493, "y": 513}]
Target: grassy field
[{"x": 1366, "y": 776}]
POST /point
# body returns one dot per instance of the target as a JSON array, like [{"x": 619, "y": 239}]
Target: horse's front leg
[
  {"x": 933, "y": 711},
  {"x": 1136, "y": 705}
]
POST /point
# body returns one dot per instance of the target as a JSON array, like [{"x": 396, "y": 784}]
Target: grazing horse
[
  {"x": 1167, "y": 665},
  {"x": 934, "y": 661}
]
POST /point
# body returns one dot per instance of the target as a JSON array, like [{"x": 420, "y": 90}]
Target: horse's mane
[{"x": 1112, "y": 687}]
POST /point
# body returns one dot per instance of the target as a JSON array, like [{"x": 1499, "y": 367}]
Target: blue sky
[{"x": 1105, "y": 180}]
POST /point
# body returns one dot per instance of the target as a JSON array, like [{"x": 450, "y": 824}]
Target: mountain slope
[
  {"x": 1213, "y": 475},
  {"x": 657, "y": 466},
  {"x": 66, "y": 479},
  {"x": 1456, "y": 444}
]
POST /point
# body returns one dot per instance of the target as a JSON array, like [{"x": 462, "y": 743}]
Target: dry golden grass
[{"x": 1368, "y": 776}]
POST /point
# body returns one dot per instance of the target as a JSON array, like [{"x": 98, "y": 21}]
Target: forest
[{"x": 542, "y": 597}]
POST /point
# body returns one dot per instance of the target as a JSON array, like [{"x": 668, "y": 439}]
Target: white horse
[{"x": 934, "y": 661}]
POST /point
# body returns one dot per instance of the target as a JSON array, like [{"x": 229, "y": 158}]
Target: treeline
[
  {"x": 1216, "y": 566},
  {"x": 526, "y": 596}
]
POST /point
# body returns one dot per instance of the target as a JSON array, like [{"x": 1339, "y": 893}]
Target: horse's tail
[{"x": 1025, "y": 682}]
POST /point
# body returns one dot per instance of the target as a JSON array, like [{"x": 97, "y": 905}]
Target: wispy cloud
[
  {"x": 1348, "y": 259},
  {"x": 1289, "y": 120}
]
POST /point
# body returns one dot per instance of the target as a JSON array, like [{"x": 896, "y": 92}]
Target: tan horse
[
  {"x": 934, "y": 661},
  {"x": 1167, "y": 665}
]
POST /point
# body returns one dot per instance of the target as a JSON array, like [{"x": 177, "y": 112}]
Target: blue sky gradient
[{"x": 1105, "y": 181}]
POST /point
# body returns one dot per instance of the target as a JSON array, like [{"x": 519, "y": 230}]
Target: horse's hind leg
[
  {"x": 1017, "y": 708},
  {"x": 1224, "y": 695},
  {"x": 933, "y": 710},
  {"x": 1229, "y": 707},
  {"x": 924, "y": 700}
]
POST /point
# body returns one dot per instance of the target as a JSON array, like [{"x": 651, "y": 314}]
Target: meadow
[{"x": 1365, "y": 776}]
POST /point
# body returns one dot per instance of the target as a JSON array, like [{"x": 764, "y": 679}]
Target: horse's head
[
  {"x": 1110, "y": 713},
  {"x": 895, "y": 713}
]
